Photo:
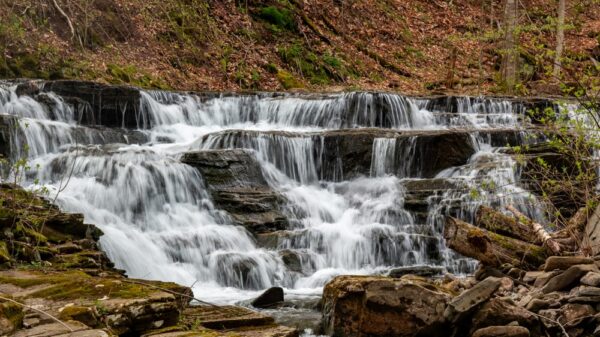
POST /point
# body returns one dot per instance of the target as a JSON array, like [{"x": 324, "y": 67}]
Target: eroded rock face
[
  {"x": 237, "y": 185},
  {"x": 381, "y": 306},
  {"x": 100, "y": 104}
]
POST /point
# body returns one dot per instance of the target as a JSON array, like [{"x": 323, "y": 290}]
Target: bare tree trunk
[
  {"x": 560, "y": 37},
  {"x": 510, "y": 54}
]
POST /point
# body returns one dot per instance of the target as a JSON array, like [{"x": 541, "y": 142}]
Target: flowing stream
[{"x": 159, "y": 219}]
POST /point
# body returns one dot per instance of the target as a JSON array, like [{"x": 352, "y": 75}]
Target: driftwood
[
  {"x": 541, "y": 233},
  {"x": 491, "y": 249},
  {"x": 503, "y": 224}
]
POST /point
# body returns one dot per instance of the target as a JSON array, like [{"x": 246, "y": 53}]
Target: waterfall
[{"x": 350, "y": 167}]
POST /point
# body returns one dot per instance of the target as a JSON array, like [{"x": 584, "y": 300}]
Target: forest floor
[{"x": 415, "y": 47}]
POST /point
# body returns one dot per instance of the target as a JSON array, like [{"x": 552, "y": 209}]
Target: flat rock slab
[
  {"x": 568, "y": 278},
  {"x": 225, "y": 317},
  {"x": 565, "y": 262},
  {"x": 54, "y": 329},
  {"x": 471, "y": 298}
]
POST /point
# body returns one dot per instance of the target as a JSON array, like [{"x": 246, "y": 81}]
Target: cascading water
[{"x": 159, "y": 219}]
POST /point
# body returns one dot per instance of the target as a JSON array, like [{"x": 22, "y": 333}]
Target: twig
[
  {"x": 38, "y": 310},
  {"x": 169, "y": 291},
  {"x": 553, "y": 321}
]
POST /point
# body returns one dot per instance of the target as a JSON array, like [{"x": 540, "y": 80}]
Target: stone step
[{"x": 225, "y": 317}]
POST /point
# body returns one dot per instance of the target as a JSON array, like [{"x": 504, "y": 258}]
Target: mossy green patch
[
  {"x": 280, "y": 19},
  {"x": 288, "y": 81},
  {"x": 129, "y": 74},
  {"x": 74, "y": 284}
]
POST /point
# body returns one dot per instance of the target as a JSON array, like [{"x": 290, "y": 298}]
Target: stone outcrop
[
  {"x": 484, "y": 306},
  {"x": 345, "y": 154},
  {"x": 54, "y": 281},
  {"x": 381, "y": 306},
  {"x": 237, "y": 185},
  {"x": 100, "y": 104}
]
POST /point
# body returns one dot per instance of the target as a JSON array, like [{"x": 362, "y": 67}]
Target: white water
[{"x": 159, "y": 220}]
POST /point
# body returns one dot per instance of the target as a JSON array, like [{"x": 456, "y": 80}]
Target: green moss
[
  {"x": 13, "y": 313},
  {"x": 288, "y": 81},
  {"x": 279, "y": 18},
  {"x": 129, "y": 74},
  {"x": 73, "y": 284},
  {"x": 4, "y": 254}
]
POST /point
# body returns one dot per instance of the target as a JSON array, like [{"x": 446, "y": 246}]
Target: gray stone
[
  {"x": 238, "y": 186},
  {"x": 565, "y": 262},
  {"x": 591, "y": 279},
  {"x": 568, "y": 278},
  {"x": 544, "y": 277},
  {"x": 502, "y": 331},
  {"x": 471, "y": 298}
]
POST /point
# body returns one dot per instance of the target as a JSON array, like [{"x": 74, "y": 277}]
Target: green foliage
[{"x": 280, "y": 19}]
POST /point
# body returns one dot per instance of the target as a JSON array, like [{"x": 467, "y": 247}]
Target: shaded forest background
[{"x": 417, "y": 46}]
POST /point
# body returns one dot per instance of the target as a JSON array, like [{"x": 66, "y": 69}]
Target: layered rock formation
[{"x": 55, "y": 281}]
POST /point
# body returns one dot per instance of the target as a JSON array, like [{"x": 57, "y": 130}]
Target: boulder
[
  {"x": 237, "y": 185},
  {"x": 468, "y": 300},
  {"x": 565, "y": 262},
  {"x": 383, "y": 306},
  {"x": 269, "y": 298},
  {"x": 573, "y": 312},
  {"x": 568, "y": 278},
  {"x": 502, "y": 331},
  {"x": 11, "y": 317},
  {"x": 292, "y": 260},
  {"x": 499, "y": 312}
]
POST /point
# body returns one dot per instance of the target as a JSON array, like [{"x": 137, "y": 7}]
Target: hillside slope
[{"x": 417, "y": 46}]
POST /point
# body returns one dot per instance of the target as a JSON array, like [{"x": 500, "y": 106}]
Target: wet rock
[
  {"x": 100, "y": 104},
  {"x": 383, "y": 306},
  {"x": 425, "y": 271},
  {"x": 465, "y": 302},
  {"x": 565, "y": 262},
  {"x": 292, "y": 260},
  {"x": 591, "y": 279},
  {"x": 502, "y": 331},
  {"x": 568, "y": 278},
  {"x": 237, "y": 185},
  {"x": 269, "y": 298}
]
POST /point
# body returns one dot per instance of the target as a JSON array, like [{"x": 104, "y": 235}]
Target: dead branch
[
  {"x": 38, "y": 310},
  {"x": 538, "y": 229}
]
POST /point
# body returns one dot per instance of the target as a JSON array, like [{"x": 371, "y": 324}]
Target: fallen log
[
  {"x": 541, "y": 233},
  {"x": 503, "y": 224},
  {"x": 491, "y": 249}
]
